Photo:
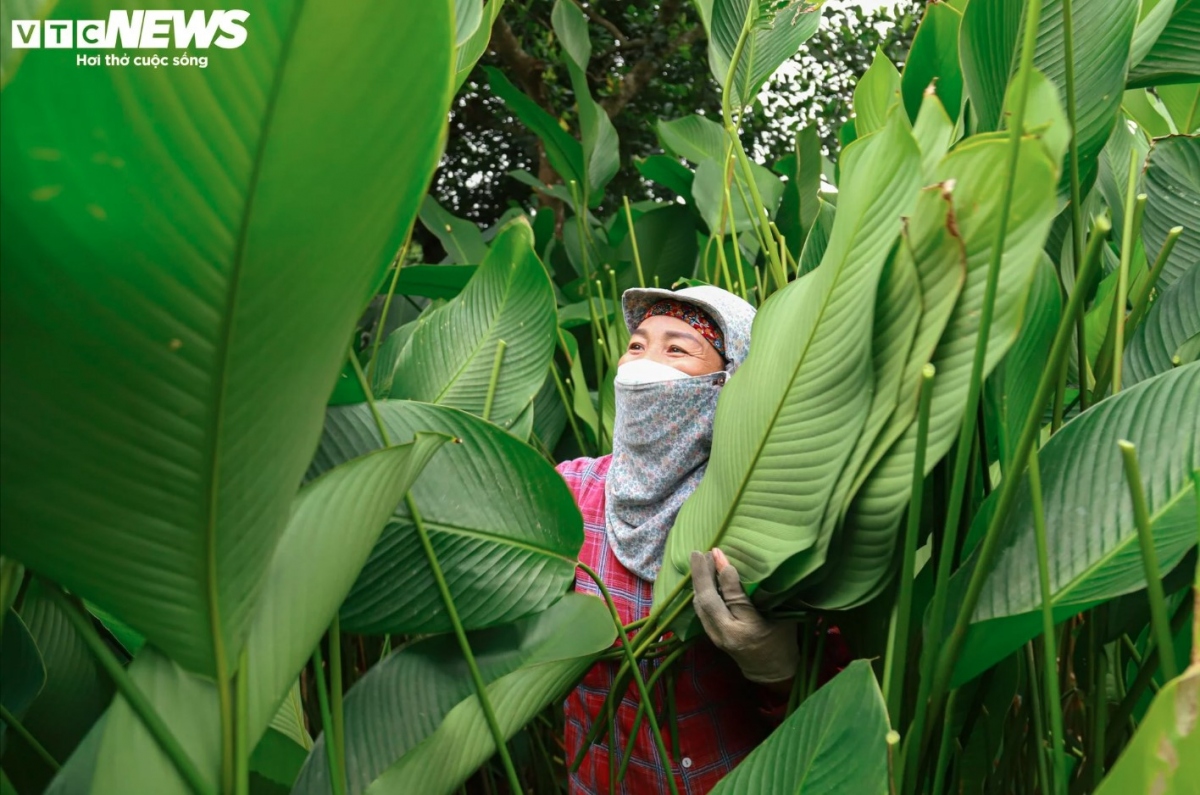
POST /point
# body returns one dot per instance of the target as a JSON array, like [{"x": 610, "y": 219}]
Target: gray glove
[{"x": 766, "y": 651}]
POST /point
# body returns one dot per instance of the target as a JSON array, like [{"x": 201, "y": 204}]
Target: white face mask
[{"x": 647, "y": 371}]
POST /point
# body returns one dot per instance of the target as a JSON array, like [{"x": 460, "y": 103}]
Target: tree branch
[{"x": 596, "y": 17}]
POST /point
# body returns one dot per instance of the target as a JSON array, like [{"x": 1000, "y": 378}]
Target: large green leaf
[
  {"x": 600, "y": 147},
  {"x": 335, "y": 522},
  {"x": 1091, "y": 538},
  {"x": 502, "y": 522},
  {"x": 1161, "y": 757},
  {"x": 693, "y": 137},
  {"x": 777, "y": 34},
  {"x": 666, "y": 240},
  {"x": 413, "y": 723},
  {"x": 1173, "y": 58},
  {"x": 1172, "y": 186},
  {"x": 22, "y": 672},
  {"x": 564, "y": 152},
  {"x": 1182, "y": 103},
  {"x": 787, "y": 422},
  {"x": 709, "y": 187},
  {"x": 835, "y": 742},
  {"x": 177, "y": 299},
  {"x": 75, "y": 694},
  {"x": 1103, "y": 33},
  {"x": 933, "y": 61},
  {"x": 462, "y": 240},
  {"x": 471, "y": 50},
  {"x": 977, "y": 171},
  {"x": 875, "y": 94},
  {"x": 450, "y": 359},
  {"x": 434, "y": 281},
  {"x": 934, "y": 133},
  {"x": 1172, "y": 320}
]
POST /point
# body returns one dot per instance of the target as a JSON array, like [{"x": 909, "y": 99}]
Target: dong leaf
[
  {"x": 709, "y": 188},
  {"x": 335, "y": 521},
  {"x": 877, "y": 92},
  {"x": 1172, "y": 321},
  {"x": 471, "y": 50},
  {"x": 977, "y": 170},
  {"x": 21, "y": 666},
  {"x": 934, "y": 133},
  {"x": 774, "y": 36},
  {"x": 1103, "y": 31},
  {"x": 1091, "y": 538},
  {"x": 932, "y": 63},
  {"x": 1172, "y": 186},
  {"x": 413, "y": 723},
  {"x": 1173, "y": 58},
  {"x": 176, "y": 306},
  {"x": 694, "y": 138},
  {"x": 1161, "y": 756},
  {"x": 75, "y": 694},
  {"x": 835, "y": 742},
  {"x": 501, "y": 520},
  {"x": 452, "y": 353},
  {"x": 794, "y": 410},
  {"x": 462, "y": 239}
]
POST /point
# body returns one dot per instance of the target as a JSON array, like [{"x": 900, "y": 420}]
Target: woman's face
[{"x": 671, "y": 341}]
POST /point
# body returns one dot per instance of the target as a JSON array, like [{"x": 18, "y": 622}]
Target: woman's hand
[{"x": 766, "y": 651}]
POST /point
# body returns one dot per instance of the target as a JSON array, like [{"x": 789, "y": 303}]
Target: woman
[{"x": 728, "y": 693}]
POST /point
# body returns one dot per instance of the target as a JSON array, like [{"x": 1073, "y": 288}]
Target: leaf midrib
[
  {"x": 224, "y": 345},
  {"x": 487, "y": 335},
  {"x": 470, "y": 532}
]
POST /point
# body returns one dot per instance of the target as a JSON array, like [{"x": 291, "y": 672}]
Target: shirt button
[{"x": 686, "y": 762}]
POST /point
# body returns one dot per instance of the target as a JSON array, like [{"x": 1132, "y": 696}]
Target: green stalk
[
  {"x": 495, "y": 379},
  {"x": 988, "y": 548},
  {"x": 967, "y": 429},
  {"x": 641, "y": 713},
  {"x": 637, "y": 676},
  {"x": 1154, "y": 589},
  {"x": 485, "y": 703},
  {"x": 943, "y": 757},
  {"x": 387, "y": 305},
  {"x": 1108, "y": 363},
  {"x": 241, "y": 735},
  {"x": 335, "y": 691},
  {"x": 1123, "y": 277},
  {"x": 1050, "y": 666},
  {"x": 29, "y": 739},
  {"x": 562, "y": 395},
  {"x": 1143, "y": 297},
  {"x": 1076, "y": 205},
  {"x": 637, "y": 258},
  {"x": 337, "y": 775},
  {"x": 134, "y": 697},
  {"x": 1099, "y": 698},
  {"x": 897, "y": 653},
  {"x": 1048, "y": 785},
  {"x": 439, "y": 577}
]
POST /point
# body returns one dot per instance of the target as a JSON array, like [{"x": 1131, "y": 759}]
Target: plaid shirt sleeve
[{"x": 721, "y": 716}]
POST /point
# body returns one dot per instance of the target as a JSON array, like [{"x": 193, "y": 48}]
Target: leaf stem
[
  {"x": 1050, "y": 659},
  {"x": 952, "y": 647},
  {"x": 335, "y": 691},
  {"x": 637, "y": 676},
  {"x": 387, "y": 305},
  {"x": 1154, "y": 588},
  {"x": 562, "y": 395},
  {"x": 132, "y": 694},
  {"x": 1049, "y": 785},
  {"x": 1076, "y": 200},
  {"x": 897, "y": 653},
  {"x": 494, "y": 380},
  {"x": 637, "y": 258},
  {"x": 337, "y": 776},
  {"x": 29, "y": 739},
  {"x": 1142, "y": 300}
]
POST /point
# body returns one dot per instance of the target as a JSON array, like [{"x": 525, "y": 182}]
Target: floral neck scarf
[{"x": 662, "y": 435}]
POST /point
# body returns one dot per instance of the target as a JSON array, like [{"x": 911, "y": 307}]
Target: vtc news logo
[{"x": 135, "y": 30}]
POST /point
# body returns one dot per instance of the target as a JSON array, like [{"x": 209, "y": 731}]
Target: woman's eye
[
  {"x": 676, "y": 349},
  {"x": 635, "y": 346}
]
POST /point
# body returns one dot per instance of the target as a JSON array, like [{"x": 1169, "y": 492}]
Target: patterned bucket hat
[{"x": 734, "y": 315}]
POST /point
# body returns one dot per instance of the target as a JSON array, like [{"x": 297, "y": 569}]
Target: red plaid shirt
[{"x": 721, "y": 716}]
